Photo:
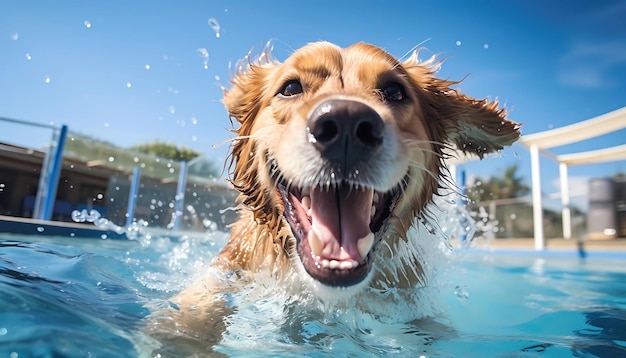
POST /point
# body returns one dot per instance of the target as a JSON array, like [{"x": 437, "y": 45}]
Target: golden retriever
[{"x": 338, "y": 151}]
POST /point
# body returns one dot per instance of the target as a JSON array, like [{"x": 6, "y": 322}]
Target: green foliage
[
  {"x": 165, "y": 150},
  {"x": 509, "y": 185},
  {"x": 100, "y": 153}
]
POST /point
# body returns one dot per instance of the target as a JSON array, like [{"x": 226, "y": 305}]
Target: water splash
[
  {"x": 215, "y": 25},
  {"x": 461, "y": 292},
  {"x": 81, "y": 216},
  {"x": 204, "y": 53}
]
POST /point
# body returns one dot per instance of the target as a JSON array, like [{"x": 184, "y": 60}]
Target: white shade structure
[{"x": 539, "y": 143}]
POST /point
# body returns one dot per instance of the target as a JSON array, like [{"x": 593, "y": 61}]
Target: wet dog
[{"x": 338, "y": 150}]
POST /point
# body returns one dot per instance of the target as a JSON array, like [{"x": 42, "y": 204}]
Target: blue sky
[{"x": 130, "y": 72}]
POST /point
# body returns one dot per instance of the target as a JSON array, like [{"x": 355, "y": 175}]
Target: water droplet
[
  {"x": 99, "y": 196},
  {"x": 217, "y": 78},
  {"x": 3, "y": 331},
  {"x": 15, "y": 36},
  {"x": 46, "y": 79},
  {"x": 204, "y": 53},
  {"x": 40, "y": 229},
  {"x": 78, "y": 216},
  {"x": 111, "y": 159},
  {"x": 461, "y": 292},
  {"x": 194, "y": 120},
  {"x": 458, "y": 43},
  {"x": 486, "y": 46},
  {"x": 147, "y": 66},
  {"x": 28, "y": 56},
  {"x": 129, "y": 85},
  {"x": 172, "y": 109},
  {"x": 215, "y": 26},
  {"x": 87, "y": 24},
  {"x": 194, "y": 138}
]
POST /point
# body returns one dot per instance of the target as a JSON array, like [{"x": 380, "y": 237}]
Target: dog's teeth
[
  {"x": 376, "y": 197},
  {"x": 306, "y": 203},
  {"x": 336, "y": 264},
  {"x": 365, "y": 244},
  {"x": 348, "y": 265},
  {"x": 314, "y": 243},
  {"x": 373, "y": 212}
]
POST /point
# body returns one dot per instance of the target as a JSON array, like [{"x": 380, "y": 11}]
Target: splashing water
[
  {"x": 461, "y": 292},
  {"x": 215, "y": 26},
  {"x": 204, "y": 53}
]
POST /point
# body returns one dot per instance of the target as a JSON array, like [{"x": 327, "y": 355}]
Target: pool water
[{"x": 76, "y": 297}]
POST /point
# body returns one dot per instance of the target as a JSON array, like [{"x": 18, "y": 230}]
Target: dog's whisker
[{"x": 369, "y": 190}]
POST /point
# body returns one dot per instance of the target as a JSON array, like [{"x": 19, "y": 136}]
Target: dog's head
[{"x": 338, "y": 149}]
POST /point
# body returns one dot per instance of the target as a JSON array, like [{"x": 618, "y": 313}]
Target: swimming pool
[{"x": 76, "y": 297}]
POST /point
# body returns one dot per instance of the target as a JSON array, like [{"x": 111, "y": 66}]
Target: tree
[
  {"x": 165, "y": 150},
  {"x": 509, "y": 185},
  {"x": 202, "y": 168}
]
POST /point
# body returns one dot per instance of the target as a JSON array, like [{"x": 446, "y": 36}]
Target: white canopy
[
  {"x": 591, "y": 128},
  {"x": 540, "y": 143}
]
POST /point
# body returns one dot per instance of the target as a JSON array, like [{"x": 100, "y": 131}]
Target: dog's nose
[{"x": 346, "y": 131}]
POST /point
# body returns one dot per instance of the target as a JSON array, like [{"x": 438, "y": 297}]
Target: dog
[{"x": 337, "y": 152}]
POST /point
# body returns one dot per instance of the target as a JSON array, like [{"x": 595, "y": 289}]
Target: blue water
[{"x": 72, "y": 297}]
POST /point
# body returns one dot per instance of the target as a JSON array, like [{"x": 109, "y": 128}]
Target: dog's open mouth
[{"x": 335, "y": 227}]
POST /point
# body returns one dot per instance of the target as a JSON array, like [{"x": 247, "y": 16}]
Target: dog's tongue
[{"x": 339, "y": 218}]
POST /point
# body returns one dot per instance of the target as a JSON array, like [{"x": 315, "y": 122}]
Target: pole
[
  {"x": 132, "y": 196},
  {"x": 180, "y": 194},
  {"x": 565, "y": 201},
  {"x": 53, "y": 172},
  {"x": 536, "y": 193},
  {"x": 463, "y": 188}
]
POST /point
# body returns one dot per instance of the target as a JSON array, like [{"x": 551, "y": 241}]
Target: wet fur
[
  {"x": 436, "y": 118},
  {"x": 444, "y": 115}
]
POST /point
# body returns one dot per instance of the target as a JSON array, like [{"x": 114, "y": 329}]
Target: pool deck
[
  {"x": 604, "y": 248},
  {"x": 559, "y": 244},
  {"x": 27, "y": 226},
  {"x": 598, "y": 247}
]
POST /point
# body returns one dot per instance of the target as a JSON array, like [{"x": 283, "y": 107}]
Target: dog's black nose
[{"x": 346, "y": 132}]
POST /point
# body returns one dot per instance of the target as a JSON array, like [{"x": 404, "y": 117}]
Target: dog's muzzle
[{"x": 345, "y": 132}]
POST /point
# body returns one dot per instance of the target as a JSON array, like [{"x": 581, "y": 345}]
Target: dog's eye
[
  {"x": 394, "y": 92},
  {"x": 291, "y": 88}
]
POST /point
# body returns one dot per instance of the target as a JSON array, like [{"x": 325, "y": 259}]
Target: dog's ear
[
  {"x": 474, "y": 126},
  {"x": 244, "y": 99}
]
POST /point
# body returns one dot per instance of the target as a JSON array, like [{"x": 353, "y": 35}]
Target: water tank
[
  {"x": 620, "y": 205},
  {"x": 601, "y": 218}
]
